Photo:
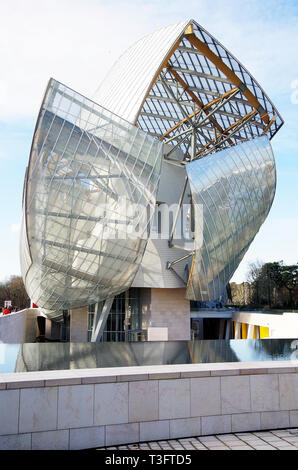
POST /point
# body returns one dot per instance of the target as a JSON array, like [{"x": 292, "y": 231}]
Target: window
[{"x": 124, "y": 321}]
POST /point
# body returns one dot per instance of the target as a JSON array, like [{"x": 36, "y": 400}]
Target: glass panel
[
  {"x": 92, "y": 180},
  {"x": 232, "y": 192},
  {"x": 124, "y": 320}
]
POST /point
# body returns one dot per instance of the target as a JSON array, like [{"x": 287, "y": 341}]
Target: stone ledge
[{"x": 126, "y": 374}]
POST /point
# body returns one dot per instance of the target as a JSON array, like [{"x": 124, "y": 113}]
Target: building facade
[{"x": 146, "y": 198}]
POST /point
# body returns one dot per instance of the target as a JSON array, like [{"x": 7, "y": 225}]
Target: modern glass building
[{"x": 148, "y": 196}]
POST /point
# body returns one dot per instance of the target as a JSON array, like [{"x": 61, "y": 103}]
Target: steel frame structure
[{"x": 200, "y": 67}]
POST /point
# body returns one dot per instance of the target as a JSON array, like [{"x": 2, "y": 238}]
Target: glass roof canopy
[
  {"x": 180, "y": 79},
  {"x": 202, "y": 86}
]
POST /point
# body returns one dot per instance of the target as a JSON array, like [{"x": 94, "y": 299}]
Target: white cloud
[{"x": 76, "y": 42}]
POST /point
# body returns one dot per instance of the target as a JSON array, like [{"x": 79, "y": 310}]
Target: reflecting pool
[{"x": 60, "y": 356}]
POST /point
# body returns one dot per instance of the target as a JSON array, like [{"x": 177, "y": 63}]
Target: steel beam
[
  {"x": 238, "y": 125},
  {"x": 82, "y": 217},
  {"x": 194, "y": 97},
  {"x": 177, "y": 212},
  {"x": 229, "y": 73},
  {"x": 100, "y": 319},
  {"x": 223, "y": 100},
  {"x": 169, "y": 89},
  {"x": 199, "y": 74},
  {"x": 270, "y": 124},
  {"x": 170, "y": 264}
]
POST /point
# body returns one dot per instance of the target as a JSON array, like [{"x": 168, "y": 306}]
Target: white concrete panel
[
  {"x": 9, "y": 411},
  {"x": 38, "y": 409},
  {"x": 157, "y": 334},
  {"x": 111, "y": 403},
  {"x": 275, "y": 420},
  {"x": 264, "y": 392},
  {"x": 143, "y": 401},
  {"x": 50, "y": 440},
  {"x": 246, "y": 422},
  {"x": 235, "y": 394},
  {"x": 216, "y": 425},
  {"x": 294, "y": 418},
  {"x": 122, "y": 434},
  {"x": 86, "y": 438},
  {"x": 15, "y": 442},
  {"x": 174, "y": 399},
  {"x": 75, "y": 406},
  {"x": 185, "y": 427},
  {"x": 205, "y": 396},
  {"x": 154, "y": 430},
  {"x": 19, "y": 327},
  {"x": 288, "y": 388}
]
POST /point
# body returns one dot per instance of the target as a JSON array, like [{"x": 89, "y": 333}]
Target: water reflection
[
  {"x": 266, "y": 350},
  {"x": 61, "y": 356}
]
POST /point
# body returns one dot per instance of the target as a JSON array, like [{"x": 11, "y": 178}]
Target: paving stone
[
  {"x": 242, "y": 448},
  {"x": 264, "y": 448},
  {"x": 286, "y": 448},
  {"x": 283, "y": 439},
  {"x": 272, "y": 438},
  {"x": 291, "y": 439},
  {"x": 289, "y": 448},
  {"x": 281, "y": 433},
  {"x": 218, "y": 448}
]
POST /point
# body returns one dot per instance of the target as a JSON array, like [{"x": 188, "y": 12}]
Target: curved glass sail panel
[
  {"x": 89, "y": 198},
  {"x": 232, "y": 193}
]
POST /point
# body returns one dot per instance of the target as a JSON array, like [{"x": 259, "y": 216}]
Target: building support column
[
  {"x": 102, "y": 310},
  {"x": 250, "y": 331},
  {"x": 127, "y": 316},
  {"x": 238, "y": 330}
]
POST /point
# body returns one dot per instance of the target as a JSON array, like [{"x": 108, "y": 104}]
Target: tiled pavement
[{"x": 285, "y": 439}]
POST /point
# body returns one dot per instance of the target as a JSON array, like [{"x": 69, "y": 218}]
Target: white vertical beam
[
  {"x": 238, "y": 330},
  {"x": 250, "y": 331},
  {"x": 127, "y": 318},
  {"x": 100, "y": 319}
]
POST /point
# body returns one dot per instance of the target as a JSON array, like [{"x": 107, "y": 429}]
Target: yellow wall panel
[{"x": 264, "y": 332}]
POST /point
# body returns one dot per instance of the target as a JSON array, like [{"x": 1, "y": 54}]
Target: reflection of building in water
[
  {"x": 49, "y": 356},
  {"x": 148, "y": 196},
  {"x": 35, "y": 357}
]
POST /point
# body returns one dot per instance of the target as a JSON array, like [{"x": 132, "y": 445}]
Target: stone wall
[
  {"x": 79, "y": 325},
  {"x": 168, "y": 308},
  {"x": 89, "y": 408},
  {"x": 19, "y": 327}
]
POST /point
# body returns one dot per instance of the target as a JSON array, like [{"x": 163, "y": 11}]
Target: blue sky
[{"x": 76, "y": 42}]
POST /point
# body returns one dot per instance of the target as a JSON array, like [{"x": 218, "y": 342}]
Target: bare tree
[
  {"x": 13, "y": 289},
  {"x": 254, "y": 270}
]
